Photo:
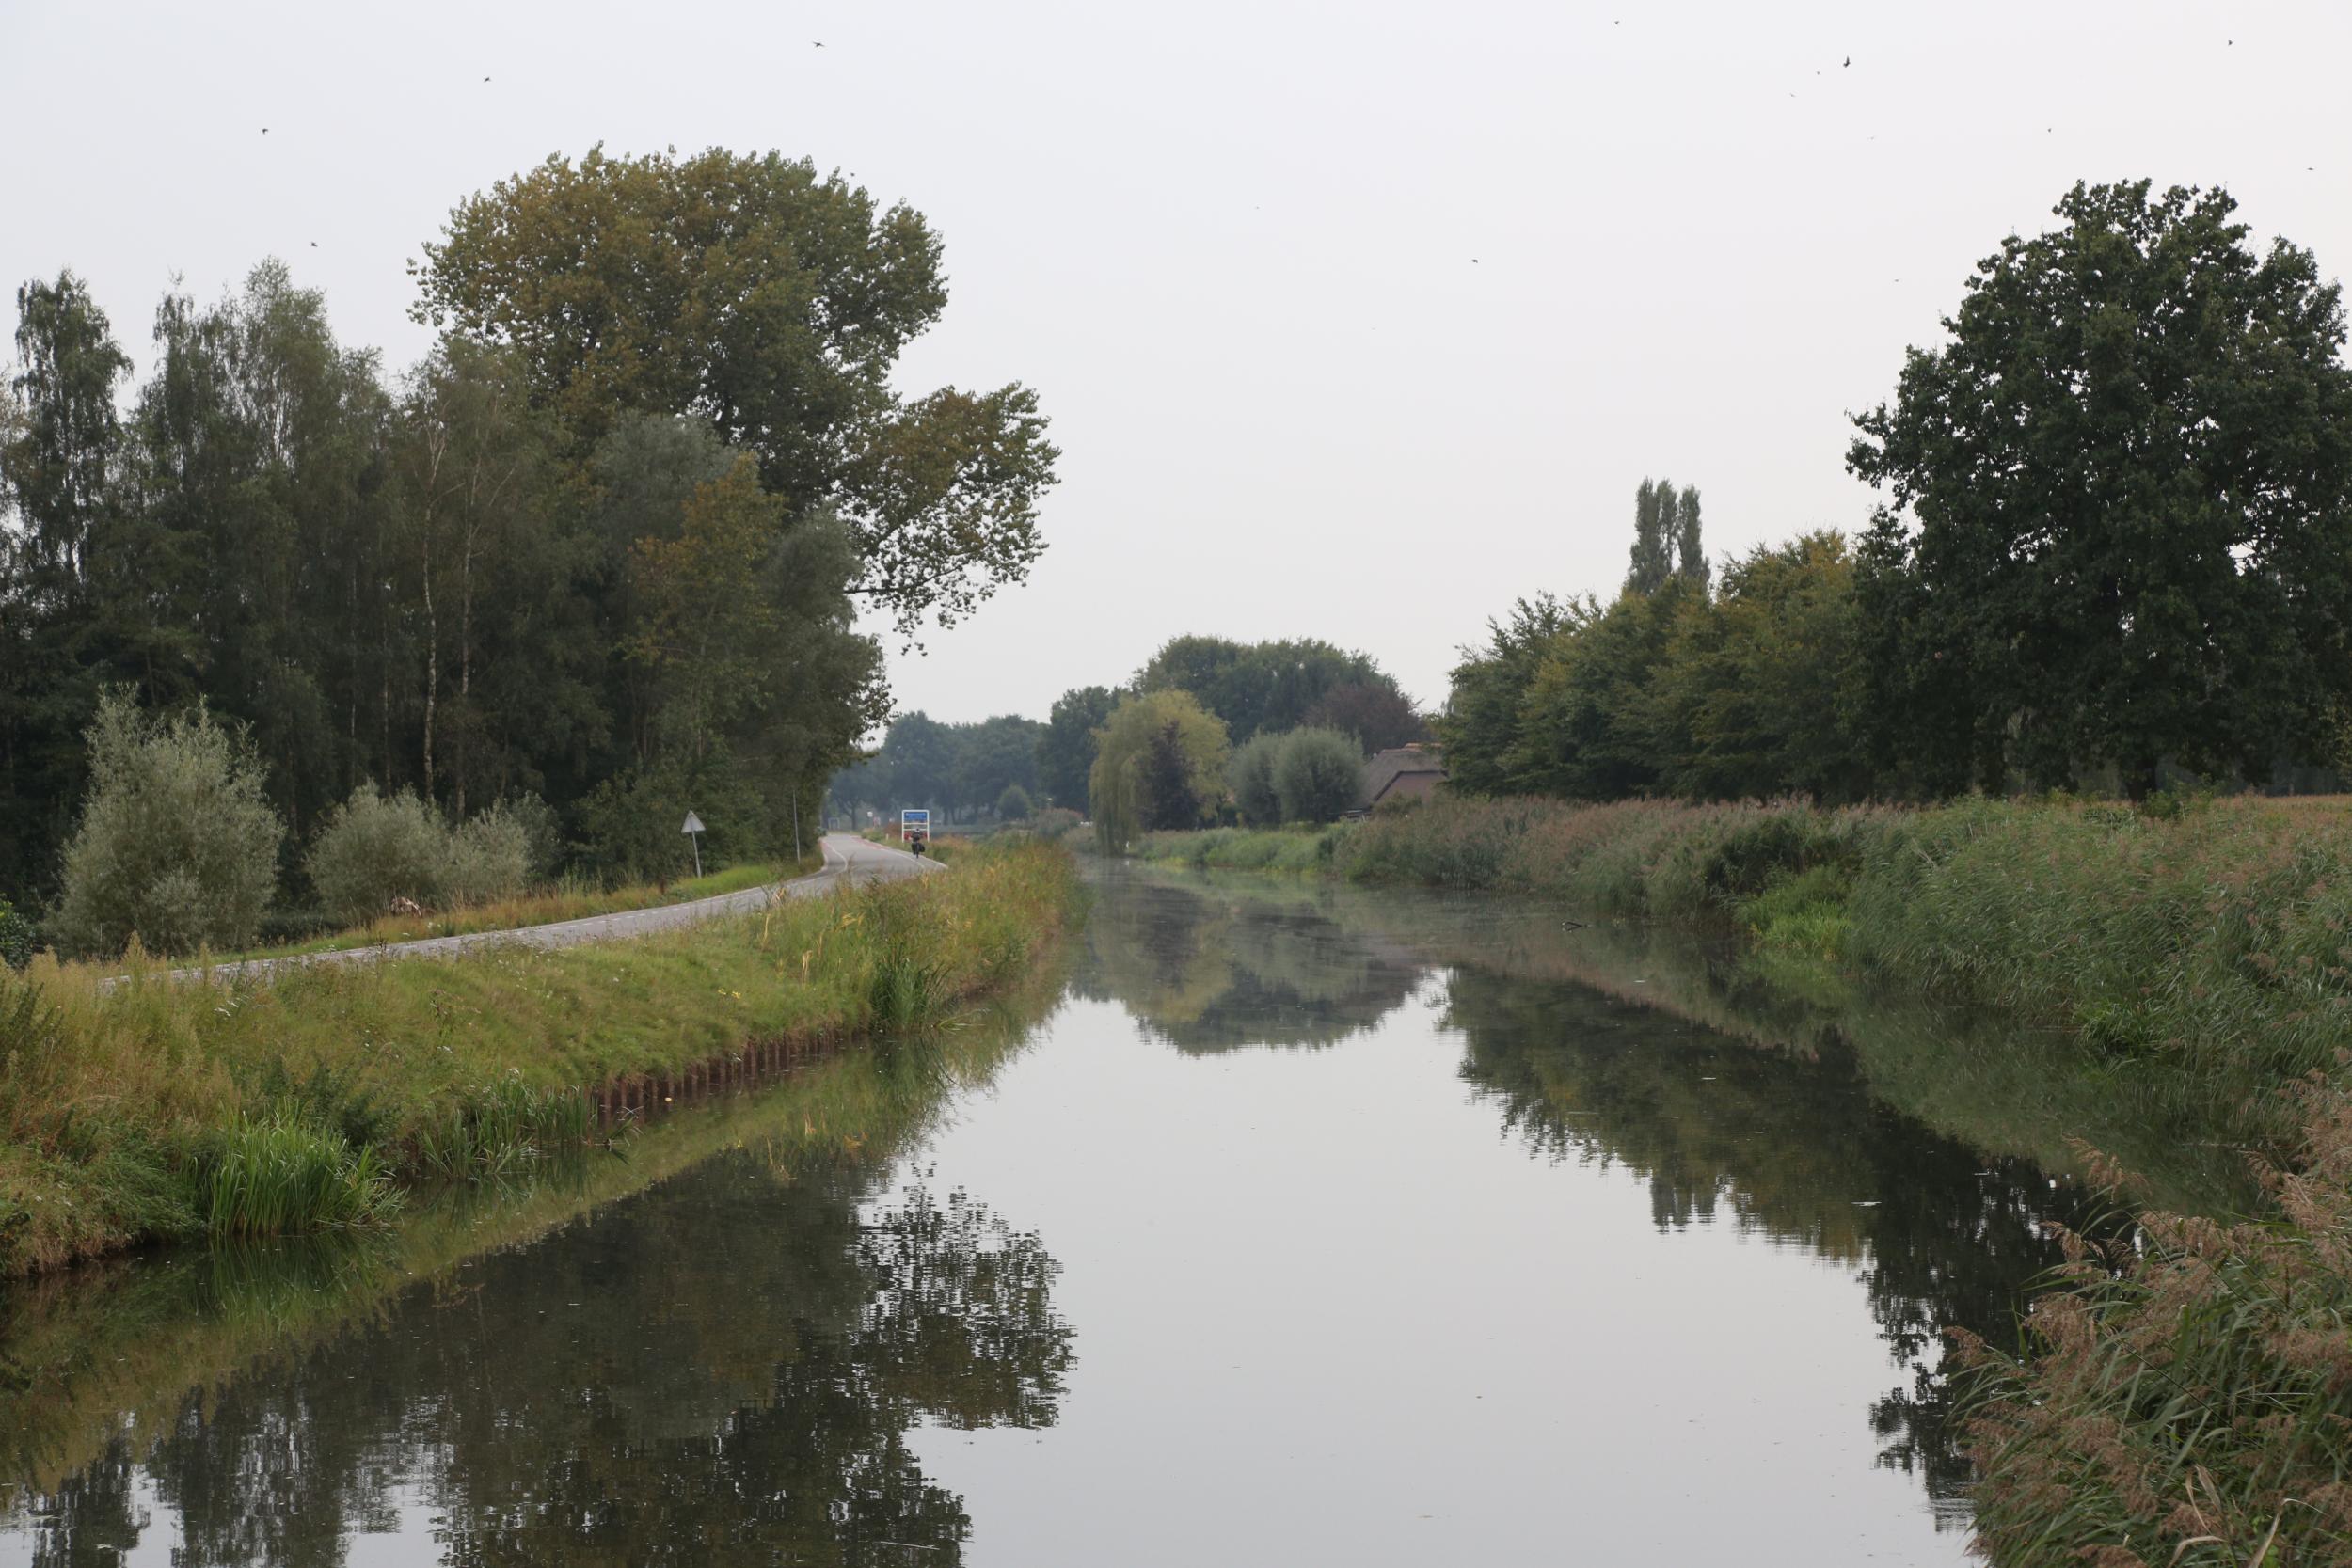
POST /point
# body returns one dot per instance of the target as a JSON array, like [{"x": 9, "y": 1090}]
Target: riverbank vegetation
[
  {"x": 2111, "y": 554},
  {"x": 596, "y": 592},
  {"x": 2205, "y": 944},
  {"x": 153, "y": 1108},
  {"x": 2111, "y": 559},
  {"x": 2185, "y": 1395}
]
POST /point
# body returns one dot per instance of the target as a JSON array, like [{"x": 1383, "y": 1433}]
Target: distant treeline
[
  {"x": 1245, "y": 688},
  {"x": 603, "y": 545},
  {"x": 2116, "y": 552}
]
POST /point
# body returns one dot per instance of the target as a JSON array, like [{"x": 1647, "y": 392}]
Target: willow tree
[
  {"x": 750, "y": 293},
  {"x": 1160, "y": 764}
]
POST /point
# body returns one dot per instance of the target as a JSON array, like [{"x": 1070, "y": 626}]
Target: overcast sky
[{"x": 1354, "y": 320}]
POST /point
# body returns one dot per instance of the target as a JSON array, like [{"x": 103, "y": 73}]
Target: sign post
[
  {"x": 914, "y": 822},
  {"x": 692, "y": 830}
]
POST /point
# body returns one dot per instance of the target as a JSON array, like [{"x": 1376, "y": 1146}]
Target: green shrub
[
  {"x": 542, "y": 834},
  {"x": 1809, "y": 914},
  {"x": 629, "y": 827},
  {"x": 17, "y": 941},
  {"x": 1318, "y": 775},
  {"x": 376, "y": 849},
  {"x": 176, "y": 843},
  {"x": 486, "y": 859},
  {"x": 1250, "y": 776},
  {"x": 1013, "y": 804}
]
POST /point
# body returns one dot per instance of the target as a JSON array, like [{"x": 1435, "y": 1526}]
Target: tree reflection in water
[
  {"x": 1787, "y": 1143},
  {"x": 723, "y": 1368},
  {"x": 1225, "y": 967},
  {"x": 727, "y": 1366}
]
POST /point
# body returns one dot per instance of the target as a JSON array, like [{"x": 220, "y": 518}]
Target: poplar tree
[
  {"x": 1653, "y": 558},
  {"x": 1689, "y": 553}
]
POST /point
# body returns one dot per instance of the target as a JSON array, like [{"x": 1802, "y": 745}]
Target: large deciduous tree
[
  {"x": 772, "y": 303},
  {"x": 1375, "y": 714},
  {"x": 1761, "y": 691},
  {"x": 2130, "y": 472},
  {"x": 1481, "y": 726},
  {"x": 1258, "y": 685},
  {"x": 1065, "y": 751}
]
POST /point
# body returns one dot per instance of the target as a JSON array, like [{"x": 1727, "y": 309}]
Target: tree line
[
  {"x": 1221, "y": 697},
  {"x": 605, "y": 545},
  {"x": 2115, "y": 549}
]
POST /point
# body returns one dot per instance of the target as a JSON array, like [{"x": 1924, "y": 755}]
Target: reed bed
[
  {"x": 115, "y": 1102},
  {"x": 2210, "y": 943},
  {"x": 2183, "y": 1398}
]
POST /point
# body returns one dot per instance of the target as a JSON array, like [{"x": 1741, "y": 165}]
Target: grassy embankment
[
  {"x": 158, "y": 1109},
  {"x": 2186, "y": 1394}
]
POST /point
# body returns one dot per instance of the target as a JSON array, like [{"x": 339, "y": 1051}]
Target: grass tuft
[{"x": 279, "y": 1177}]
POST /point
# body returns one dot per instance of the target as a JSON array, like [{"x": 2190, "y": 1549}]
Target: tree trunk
[
  {"x": 432, "y": 669},
  {"x": 464, "y": 667}
]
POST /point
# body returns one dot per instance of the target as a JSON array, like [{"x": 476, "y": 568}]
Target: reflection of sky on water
[{"x": 1513, "y": 1267}]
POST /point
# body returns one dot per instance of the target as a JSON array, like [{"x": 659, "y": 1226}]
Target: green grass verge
[
  {"x": 1297, "y": 849},
  {"x": 121, "y": 1109}
]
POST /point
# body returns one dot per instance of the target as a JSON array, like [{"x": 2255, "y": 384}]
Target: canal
[{"x": 1292, "y": 1225}]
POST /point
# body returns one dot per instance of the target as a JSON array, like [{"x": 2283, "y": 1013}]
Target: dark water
[{"x": 1313, "y": 1226}]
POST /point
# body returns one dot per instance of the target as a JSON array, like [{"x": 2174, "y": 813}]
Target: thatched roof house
[{"x": 1401, "y": 771}]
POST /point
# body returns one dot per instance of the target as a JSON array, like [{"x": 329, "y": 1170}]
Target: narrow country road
[{"x": 849, "y": 860}]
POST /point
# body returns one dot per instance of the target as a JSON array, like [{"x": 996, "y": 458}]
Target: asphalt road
[{"x": 849, "y": 860}]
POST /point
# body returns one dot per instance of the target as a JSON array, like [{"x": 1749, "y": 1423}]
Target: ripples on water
[{"x": 1314, "y": 1225}]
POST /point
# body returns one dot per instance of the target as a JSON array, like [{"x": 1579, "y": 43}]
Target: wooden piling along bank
[{"x": 637, "y": 1098}]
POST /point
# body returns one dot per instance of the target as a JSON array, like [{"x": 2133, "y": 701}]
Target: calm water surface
[{"x": 1313, "y": 1226}]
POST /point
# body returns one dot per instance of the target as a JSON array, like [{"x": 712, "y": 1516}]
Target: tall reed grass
[
  {"x": 2185, "y": 1396},
  {"x": 2210, "y": 943}
]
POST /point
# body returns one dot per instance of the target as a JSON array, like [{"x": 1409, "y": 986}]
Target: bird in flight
[
  {"x": 314, "y": 245},
  {"x": 819, "y": 44},
  {"x": 265, "y": 129},
  {"x": 1849, "y": 61}
]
